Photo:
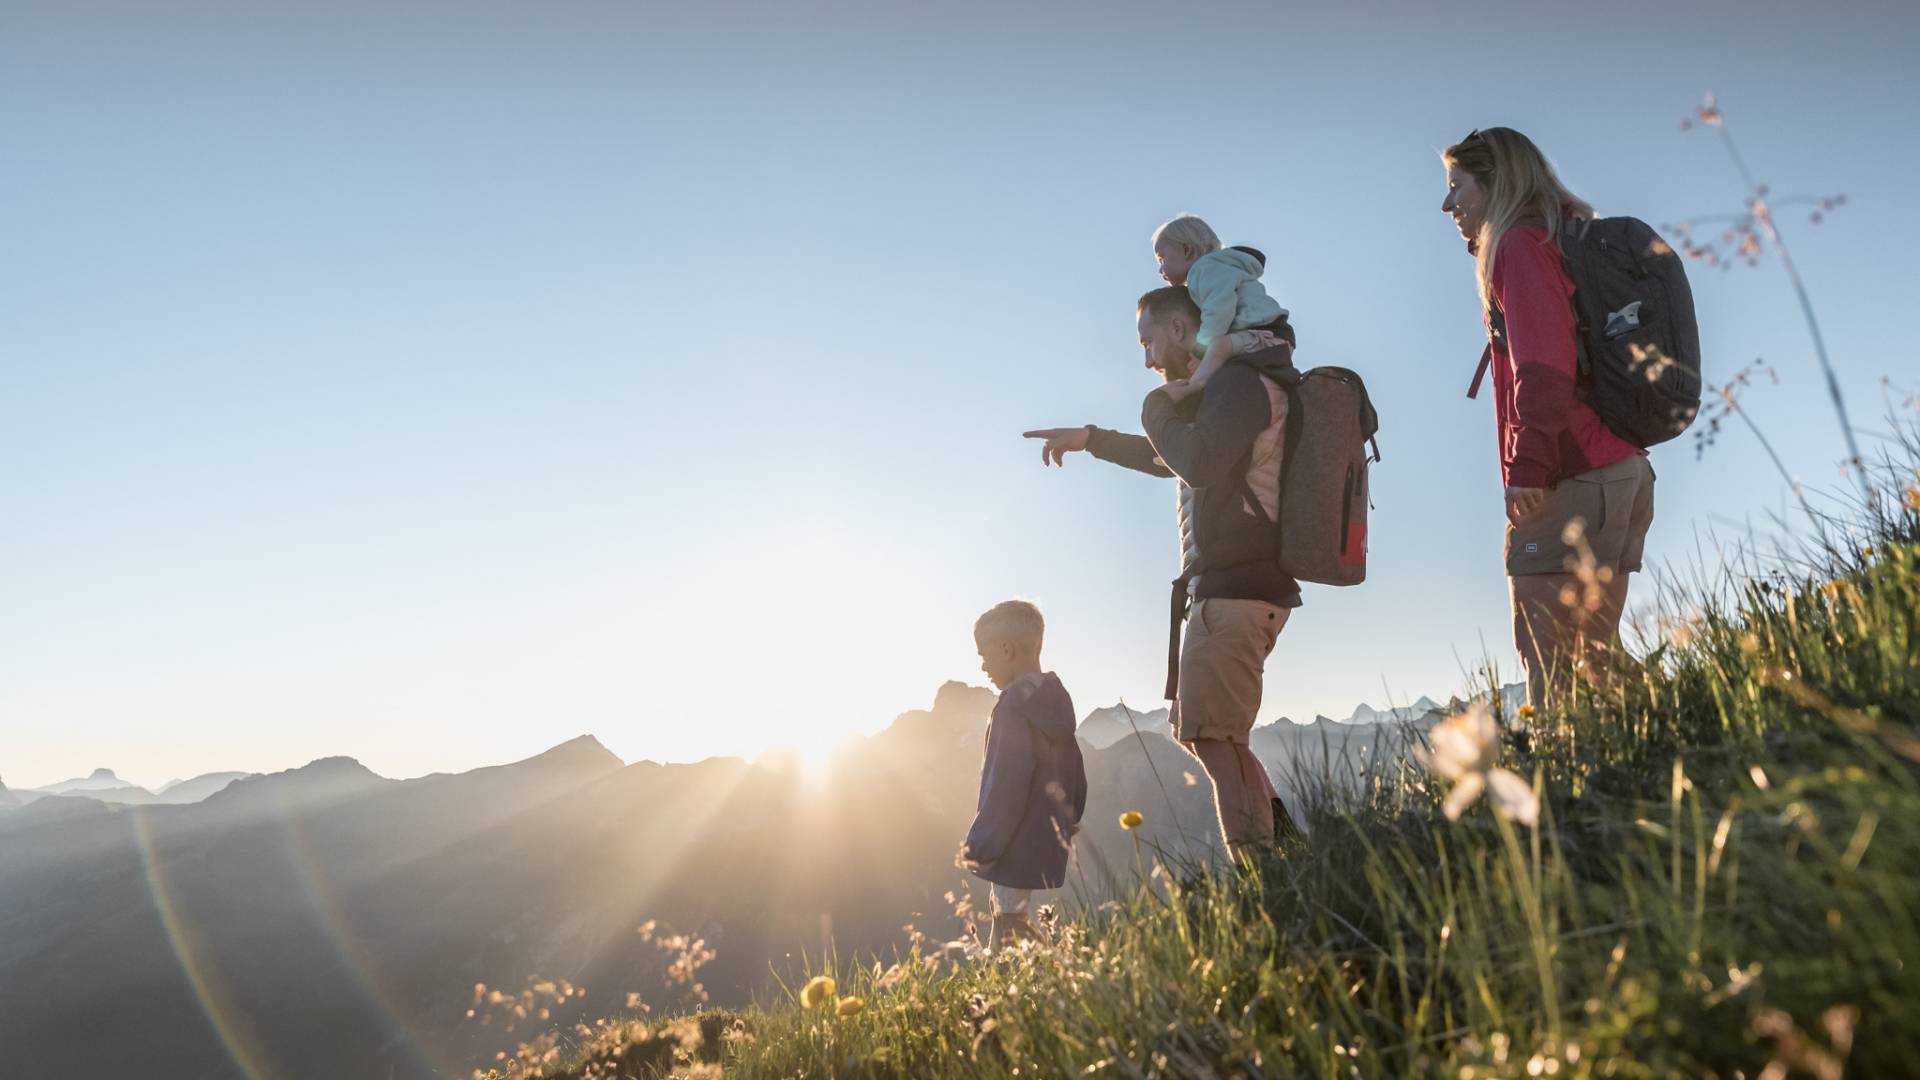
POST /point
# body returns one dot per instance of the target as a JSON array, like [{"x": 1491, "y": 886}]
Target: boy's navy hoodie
[{"x": 1033, "y": 787}]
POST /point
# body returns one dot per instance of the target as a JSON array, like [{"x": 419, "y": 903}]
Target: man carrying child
[{"x": 1221, "y": 442}]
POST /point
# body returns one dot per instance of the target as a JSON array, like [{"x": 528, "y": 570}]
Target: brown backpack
[{"x": 1322, "y": 530}]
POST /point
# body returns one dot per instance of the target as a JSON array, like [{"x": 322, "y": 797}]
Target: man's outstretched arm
[{"x": 1132, "y": 451}]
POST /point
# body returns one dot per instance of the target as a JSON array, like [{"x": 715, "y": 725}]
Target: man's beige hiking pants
[{"x": 1223, "y": 658}]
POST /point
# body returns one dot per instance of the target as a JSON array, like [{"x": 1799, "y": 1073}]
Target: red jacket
[{"x": 1546, "y": 435}]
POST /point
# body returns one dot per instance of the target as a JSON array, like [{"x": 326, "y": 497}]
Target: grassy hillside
[{"x": 1724, "y": 880}]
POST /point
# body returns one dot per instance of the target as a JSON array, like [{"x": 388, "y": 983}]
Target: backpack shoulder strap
[
  {"x": 1497, "y": 327},
  {"x": 1572, "y": 247},
  {"x": 1293, "y": 426},
  {"x": 1486, "y": 361}
]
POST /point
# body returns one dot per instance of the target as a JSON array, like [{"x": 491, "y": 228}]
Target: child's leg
[
  {"x": 1252, "y": 341},
  {"x": 1010, "y": 916},
  {"x": 1215, "y": 358},
  {"x": 1237, "y": 343}
]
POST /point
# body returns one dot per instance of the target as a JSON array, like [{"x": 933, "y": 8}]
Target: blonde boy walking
[{"x": 1033, "y": 785}]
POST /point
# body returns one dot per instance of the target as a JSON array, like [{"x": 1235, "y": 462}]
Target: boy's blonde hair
[
  {"x": 1015, "y": 622},
  {"x": 1188, "y": 229}
]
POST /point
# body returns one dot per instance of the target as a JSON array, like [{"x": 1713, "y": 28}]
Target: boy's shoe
[{"x": 1008, "y": 931}]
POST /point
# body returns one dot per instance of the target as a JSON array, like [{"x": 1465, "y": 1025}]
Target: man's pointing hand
[{"x": 1060, "y": 442}]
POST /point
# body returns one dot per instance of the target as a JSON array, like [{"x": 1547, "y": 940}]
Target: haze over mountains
[
  {"x": 103, "y": 785},
  {"x": 326, "y": 921}
]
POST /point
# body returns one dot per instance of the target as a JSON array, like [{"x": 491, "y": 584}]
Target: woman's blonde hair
[
  {"x": 1190, "y": 230},
  {"x": 1521, "y": 187}
]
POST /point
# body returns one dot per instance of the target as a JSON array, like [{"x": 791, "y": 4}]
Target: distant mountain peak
[
  {"x": 196, "y": 788},
  {"x": 956, "y": 696},
  {"x": 324, "y": 779},
  {"x": 584, "y": 750},
  {"x": 958, "y": 714},
  {"x": 1105, "y": 726},
  {"x": 97, "y": 781},
  {"x": 337, "y": 767}
]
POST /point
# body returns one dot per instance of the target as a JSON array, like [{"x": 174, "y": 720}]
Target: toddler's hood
[{"x": 1238, "y": 258}]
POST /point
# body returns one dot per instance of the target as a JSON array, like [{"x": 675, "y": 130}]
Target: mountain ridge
[
  {"x": 417, "y": 889},
  {"x": 104, "y": 785}
]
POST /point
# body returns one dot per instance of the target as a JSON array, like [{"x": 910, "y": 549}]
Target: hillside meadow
[{"x": 1722, "y": 879}]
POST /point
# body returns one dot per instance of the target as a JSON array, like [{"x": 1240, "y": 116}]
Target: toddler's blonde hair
[
  {"x": 1015, "y": 622},
  {"x": 1188, "y": 229}
]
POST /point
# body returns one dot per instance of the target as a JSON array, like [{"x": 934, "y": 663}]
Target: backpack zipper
[{"x": 1346, "y": 513}]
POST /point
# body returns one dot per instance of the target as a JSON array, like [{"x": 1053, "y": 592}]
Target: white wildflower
[{"x": 1465, "y": 747}]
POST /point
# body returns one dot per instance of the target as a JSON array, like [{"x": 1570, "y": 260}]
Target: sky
[{"x": 433, "y": 382}]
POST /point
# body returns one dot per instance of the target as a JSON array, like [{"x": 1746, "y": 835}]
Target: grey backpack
[{"x": 1321, "y": 535}]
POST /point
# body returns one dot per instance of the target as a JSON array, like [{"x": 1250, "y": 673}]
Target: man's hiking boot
[
  {"x": 1284, "y": 830},
  {"x": 1521, "y": 739}
]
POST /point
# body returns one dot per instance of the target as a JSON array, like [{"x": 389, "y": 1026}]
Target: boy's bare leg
[{"x": 1009, "y": 917}]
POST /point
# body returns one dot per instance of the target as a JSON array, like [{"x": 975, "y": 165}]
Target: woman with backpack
[{"x": 1579, "y": 497}]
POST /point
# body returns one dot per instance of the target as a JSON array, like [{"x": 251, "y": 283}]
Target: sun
[
  {"x": 816, "y": 759},
  {"x": 813, "y": 762},
  {"x": 783, "y": 641}
]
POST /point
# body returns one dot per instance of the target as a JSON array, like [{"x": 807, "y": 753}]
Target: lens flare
[{"x": 229, "y": 1011}]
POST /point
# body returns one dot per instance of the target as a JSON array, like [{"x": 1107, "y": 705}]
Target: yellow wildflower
[
  {"x": 849, "y": 1006},
  {"x": 1528, "y": 712},
  {"x": 817, "y": 992},
  {"x": 1131, "y": 819}
]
